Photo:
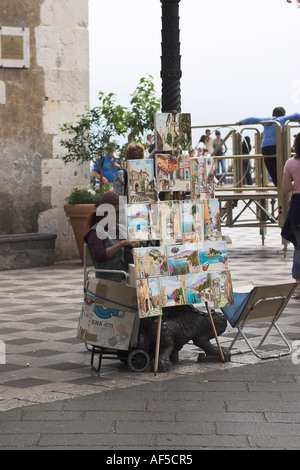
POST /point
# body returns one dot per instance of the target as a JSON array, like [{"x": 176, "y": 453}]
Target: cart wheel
[{"x": 138, "y": 360}]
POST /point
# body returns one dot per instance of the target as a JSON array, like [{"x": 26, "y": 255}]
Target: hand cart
[{"x": 109, "y": 321}]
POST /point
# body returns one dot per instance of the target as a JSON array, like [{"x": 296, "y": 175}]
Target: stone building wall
[{"x": 34, "y": 101}]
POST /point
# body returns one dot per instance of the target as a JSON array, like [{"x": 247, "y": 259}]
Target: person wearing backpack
[{"x": 109, "y": 168}]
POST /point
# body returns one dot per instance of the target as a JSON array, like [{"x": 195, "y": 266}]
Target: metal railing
[{"x": 266, "y": 203}]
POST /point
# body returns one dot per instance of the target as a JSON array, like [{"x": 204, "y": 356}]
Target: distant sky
[{"x": 239, "y": 58}]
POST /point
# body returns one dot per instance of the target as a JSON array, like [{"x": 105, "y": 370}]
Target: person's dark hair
[
  {"x": 279, "y": 111},
  {"x": 246, "y": 145},
  {"x": 297, "y": 146},
  {"x": 135, "y": 151},
  {"x": 110, "y": 197}
]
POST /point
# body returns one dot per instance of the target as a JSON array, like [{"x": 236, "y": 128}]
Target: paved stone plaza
[{"x": 52, "y": 399}]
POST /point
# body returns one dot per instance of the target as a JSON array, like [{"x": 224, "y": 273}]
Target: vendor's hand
[
  {"x": 104, "y": 180},
  {"x": 129, "y": 243}
]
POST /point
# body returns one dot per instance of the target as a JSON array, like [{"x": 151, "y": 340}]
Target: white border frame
[{"x": 16, "y": 63}]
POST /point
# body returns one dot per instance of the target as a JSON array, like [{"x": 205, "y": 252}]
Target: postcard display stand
[{"x": 172, "y": 211}]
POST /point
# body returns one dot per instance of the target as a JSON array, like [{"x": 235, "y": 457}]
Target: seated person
[{"x": 106, "y": 244}]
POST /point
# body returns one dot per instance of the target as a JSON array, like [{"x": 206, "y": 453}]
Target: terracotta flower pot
[{"x": 79, "y": 215}]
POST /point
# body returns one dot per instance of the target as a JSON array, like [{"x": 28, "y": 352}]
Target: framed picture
[
  {"x": 172, "y": 132},
  {"x": 141, "y": 181},
  {"x": 183, "y": 259},
  {"x": 150, "y": 262}
]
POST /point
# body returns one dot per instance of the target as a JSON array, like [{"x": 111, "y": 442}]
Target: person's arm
[
  {"x": 101, "y": 254},
  {"x": 287, "y": 183},
  {"x": 250, "y": 120}
]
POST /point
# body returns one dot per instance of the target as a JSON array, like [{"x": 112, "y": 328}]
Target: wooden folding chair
[{"x": 265, "y": 304}]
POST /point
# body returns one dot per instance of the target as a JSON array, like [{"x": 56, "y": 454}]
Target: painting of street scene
[
  {"x": 143, "y": 222},
  {"x": 172, "y": 291},
  {"x": 148, "y": 296},
  {"x": 172, "y": 132},
  {"x": 170, "y": 222},
  {"x": 150, "y": 262},
  {"x": 192, "y": 221},
  {"x": 141, "y": 181},
  {"x": 183, "y": 259},
  {"x": 198, "y": 288},
  {"x": 173, "y": 173},
  {"x": 222, "y": 289},
  {"x": 202, "y": 177},
  {"x": 211, "y": 216},
  {"x": 213, "y": 256}
]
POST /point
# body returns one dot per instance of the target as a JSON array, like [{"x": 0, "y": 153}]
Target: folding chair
[{"x": 264, "y": 304}]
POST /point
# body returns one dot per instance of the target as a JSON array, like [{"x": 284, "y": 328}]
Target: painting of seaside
[
  {"x": 150, "y": 262},
  {"x": 172, "y": 291},
  {"x": 213, "y": 256},
  {"x": 198, "y": 288},
  {"x": 222, "y": 289},
  {"x": 141, "y": 181},
  {"x": 183, "y": 259},
  {"x": 143, "y": 222},
  {"x": 192, "y": 221}
]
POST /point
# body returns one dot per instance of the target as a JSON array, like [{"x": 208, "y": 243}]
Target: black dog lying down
[{"x": 179, "y": 326}]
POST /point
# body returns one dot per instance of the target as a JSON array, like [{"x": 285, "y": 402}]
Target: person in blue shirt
[
  {"x": 109, "y": 168},
  {"x": 268, "y": 145}
]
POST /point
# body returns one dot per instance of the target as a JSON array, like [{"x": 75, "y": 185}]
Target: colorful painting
[
  {"x": 173, "y": 173},
  {"x": 170, "y": 222},
  {"x": 213, "y": 256},
  {"x": 172, "y": 291},
  {"x": 211, "y": 216},
  {"x": 150, "y": 262},
  {"x": 183, "y": 259},
  {"x": 141, "y": 181},
  {"x": 192, "y": 221},
  {"x": 172, "y": 132},
  {"x": 148, "y": 296},
  {"x": 222, "y": 289},
  {"x": 143, "y": 222},
  {"x": 202, "y": 178},
  {"x": 162, "y": 172},
  {"x": 198, "y": 288}
]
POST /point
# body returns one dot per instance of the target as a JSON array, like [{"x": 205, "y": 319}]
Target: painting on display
[
  {"x": 170, "y": 222},
  {"x": 141, "y": 181},
  {"x": 213, "y": 256},
  {"x": 148, "y": 296},
  {"x": 202, "y": 177},
  {"x": 150, "y": 262},
  {"x": 222, "y": 289},
  {"x": 172, "y": 132},
  {"x": 173, "y": 173},
  {"x": 143, "y": 222},
  {"x": 183, "y": 259},
  {"x": 198, "y": 288},
  {"x": 192, "y": 221},
  {"x": 172, "y": 291},
  {"x": 211, "y": 220}
]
